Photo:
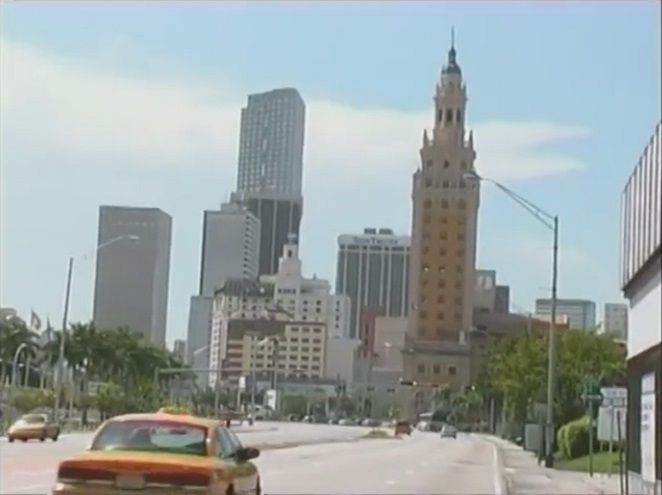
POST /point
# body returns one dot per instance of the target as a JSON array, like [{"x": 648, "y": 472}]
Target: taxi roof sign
[{"x": 174, "y": 411}]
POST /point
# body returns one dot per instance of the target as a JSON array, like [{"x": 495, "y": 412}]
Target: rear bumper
[{"x": 109, "y": 489}]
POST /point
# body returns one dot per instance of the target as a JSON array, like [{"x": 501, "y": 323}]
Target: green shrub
[{"x": 573, "y": 438}]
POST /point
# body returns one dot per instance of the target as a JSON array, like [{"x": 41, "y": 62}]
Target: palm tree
[{"x": 13, "y": 334}]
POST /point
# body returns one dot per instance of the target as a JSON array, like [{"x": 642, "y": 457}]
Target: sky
[{"x": 138, "y": 104}]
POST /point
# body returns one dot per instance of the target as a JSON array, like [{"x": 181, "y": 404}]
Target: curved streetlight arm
[
  {"x": 65, "y": 317},
  {"x": 547, "y": 219}
]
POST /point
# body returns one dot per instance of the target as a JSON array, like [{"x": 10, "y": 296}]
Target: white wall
[
  {"x": 645, "y": 317},
  {"x": 340, "y": 352}
]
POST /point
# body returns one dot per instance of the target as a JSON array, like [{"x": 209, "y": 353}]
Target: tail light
[
  {"x": 181, "y": 479},
  {"x": 73, "y": 473}
]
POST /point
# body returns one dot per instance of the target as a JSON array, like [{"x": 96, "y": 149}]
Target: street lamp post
[
  {"x": 65, "y": 320},
  {"x": 552, "y": 223}
]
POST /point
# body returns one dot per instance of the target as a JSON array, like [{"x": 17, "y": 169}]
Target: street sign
[{"x": 613, "y": 409}]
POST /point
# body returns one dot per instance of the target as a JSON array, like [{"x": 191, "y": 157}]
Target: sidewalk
[{"x": 523, "y": 475}]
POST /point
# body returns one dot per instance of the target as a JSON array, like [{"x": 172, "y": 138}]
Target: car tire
[
  {"x": 42, "y": 439},
  {"x": 56, "y": 436},
  {"x": 24, "y": 440},
  {"x": 10, "y": 439}
]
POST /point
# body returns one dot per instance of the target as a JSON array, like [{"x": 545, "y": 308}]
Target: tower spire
[{"x": 452, "y": 66}]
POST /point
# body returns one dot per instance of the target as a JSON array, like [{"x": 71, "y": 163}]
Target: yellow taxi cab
[
  {"x": 168, "y": 452},
  {"x": 33, "y": 427}
]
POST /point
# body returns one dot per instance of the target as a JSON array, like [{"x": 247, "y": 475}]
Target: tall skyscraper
[
  {"x": 581, "y": 313},
  {"x": 271, "y": 142},
  {"x": 132, "y": 278},
  {"x": 280, "y": 218},
  {"x": 230, "y": 246},
  {"x": 373, "y": 269},
  {"x": 444, "y": 232}
]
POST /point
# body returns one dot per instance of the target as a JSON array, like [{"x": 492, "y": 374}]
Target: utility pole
[{"x": 551, "y": 351}]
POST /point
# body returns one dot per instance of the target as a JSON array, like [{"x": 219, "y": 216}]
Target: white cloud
[{"x": 66, "y": 105}]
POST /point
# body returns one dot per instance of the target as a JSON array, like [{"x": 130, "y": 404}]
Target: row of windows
[
  {"x": 444, "y": 252},
  {"x": 445, "y": 204},
  {"x": 441, "y": 283},
  {"x": 447, "y": 164},
  {"x": 436, "y": 370},
  {"x": 437, "y": 332},
  {"x": 640, "y": 210},
  {"x": 442, "y": 268},
  {"x": 437, "y": 183},
  {"x": 441, "y": 316},
  {"x": 446, "y": 116}
]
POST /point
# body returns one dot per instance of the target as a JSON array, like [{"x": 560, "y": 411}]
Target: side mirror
[{"x": 247, "y": 453}]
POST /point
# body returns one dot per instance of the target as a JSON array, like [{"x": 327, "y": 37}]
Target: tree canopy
[
  {"x": 516, "y": 369},
  {"x": 120, "y": 358}
]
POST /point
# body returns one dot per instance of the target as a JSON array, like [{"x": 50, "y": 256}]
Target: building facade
[
  {"x": 285, "y": 296},
  {"x": 230, "y": 247},
  {"x": 198, "y": 336},
  {"x": 373, "y": 270},
  {"x": 132, "y": 276},
  {"x": 641, "y": 282},
  {"x": 444, "y": 237},
  {"x": 271, "y": 142},
  {"x": 280, "y": 219},
  {"x": 581, "y": 313},
  {"x": 615, "y": 320}
]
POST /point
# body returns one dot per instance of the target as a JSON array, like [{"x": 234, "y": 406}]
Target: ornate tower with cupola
[{"x": 444, "y": 236}]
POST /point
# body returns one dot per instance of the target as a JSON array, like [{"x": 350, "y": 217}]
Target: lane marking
[{"x": 390, "y": 482}]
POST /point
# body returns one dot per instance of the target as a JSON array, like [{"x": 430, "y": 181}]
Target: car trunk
[{"x": 136, "y": 471}]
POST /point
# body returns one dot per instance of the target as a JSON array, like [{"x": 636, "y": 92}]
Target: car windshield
[
  {"x": 33, "y": 419},
  {"x": 152, "y": 436}
]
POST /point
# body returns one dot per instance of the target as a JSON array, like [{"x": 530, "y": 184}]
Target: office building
[
  {"x": 615, "y": 320},
  {"x": 133, "y": 270},
  {"x": 641, "y": 283},
  {"x": 271, "y": 143},
  {"x": 230, "y": 247},
  {"x": 443, "y": 246},
  {"x": 280, "y": 219},
  {"x": 389, "y": 341},
  {"x": 285, "y": 296},
  {"x": 307, "y": 299},
  {"x": 581, "y": 313},
  {"x": 294, "y": 348},
  {"x": 198, "y": 337},
  {"x": 373, "y": 270},
  {"x": 179, "y": 350},
  {"x": 341, "y": 353}
]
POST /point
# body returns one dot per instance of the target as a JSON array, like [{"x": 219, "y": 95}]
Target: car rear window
[
  {"x": 152, "y": 436},
  {"x": 33, "y": 419}
]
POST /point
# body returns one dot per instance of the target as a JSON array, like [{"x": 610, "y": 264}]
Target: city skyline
[{"x": 160, "y": 182}]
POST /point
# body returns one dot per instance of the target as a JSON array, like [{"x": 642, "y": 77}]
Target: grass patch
[
  {"x": 377, "y": 434},
  {"x": 603, "y": 462}
]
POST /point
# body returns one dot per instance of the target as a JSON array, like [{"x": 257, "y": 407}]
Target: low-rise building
[
  {"x": 641, "y": 283},
  {"x": 615, "y": 320}
]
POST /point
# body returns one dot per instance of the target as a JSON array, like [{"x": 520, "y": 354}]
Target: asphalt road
[{"x": 423, "y": 463}]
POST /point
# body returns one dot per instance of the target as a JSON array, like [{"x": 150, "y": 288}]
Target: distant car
[
  {"x": 448, "y": 431},
  {"x": 402, "y": 428},
  {"x": 161, "y": 453},
  {"x": 423, "y": 426},
  {"x": 33, "y": 427}
]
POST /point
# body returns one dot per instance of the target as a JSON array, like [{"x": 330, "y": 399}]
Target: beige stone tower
[{"x": 444, "y": 237}]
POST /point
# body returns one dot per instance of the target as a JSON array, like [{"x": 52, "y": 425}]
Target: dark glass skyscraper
[
  {"x": 280, "y": 217},
  {"x": 271, "y": 142}
]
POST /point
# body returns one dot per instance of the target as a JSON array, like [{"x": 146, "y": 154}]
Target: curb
[{"x": 501, "y": 481}]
